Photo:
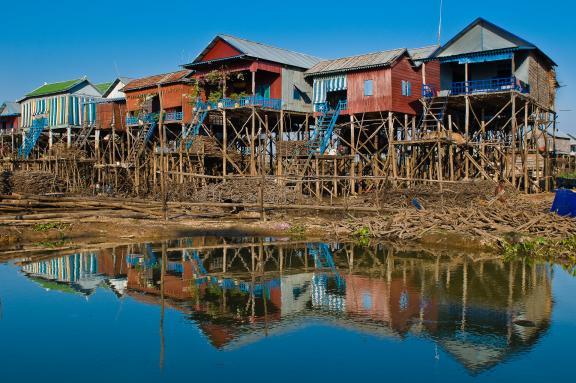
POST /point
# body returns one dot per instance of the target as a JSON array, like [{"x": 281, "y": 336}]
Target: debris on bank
[{"x": 471, "y": 213}]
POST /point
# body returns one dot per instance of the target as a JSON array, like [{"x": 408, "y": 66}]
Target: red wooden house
[
  {"x": 249, "y": 70},
  {"x": 387, "y": 81},
  {"x": 142, "y": 97}
]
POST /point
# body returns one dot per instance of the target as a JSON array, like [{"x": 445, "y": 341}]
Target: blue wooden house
[{"x": 58, "y": 108}]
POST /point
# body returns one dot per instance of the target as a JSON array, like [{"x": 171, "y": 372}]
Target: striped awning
[
  {"x": 328, "y": 84},
  {"x": 479, "y": 57}
]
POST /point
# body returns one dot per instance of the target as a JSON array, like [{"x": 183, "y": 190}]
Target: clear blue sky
[{"x": 54, "y": 41}]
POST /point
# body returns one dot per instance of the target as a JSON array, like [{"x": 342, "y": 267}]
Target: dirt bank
[{"x": 464, "y": 216}]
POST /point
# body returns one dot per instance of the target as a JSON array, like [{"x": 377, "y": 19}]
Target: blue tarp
[{"x": 564, "y": 203}]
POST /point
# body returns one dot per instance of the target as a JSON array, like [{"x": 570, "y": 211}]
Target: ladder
[
  {"x": 193, "y": 130},
  {"x": 31, "y": 137},
  {"x": 144, "y": 136},
  {"x": 321, "y": 135},
  {"x": 323, "y": 260},
  {"x": 83, "y": 135},
  {"x": 434, "y": 109}
]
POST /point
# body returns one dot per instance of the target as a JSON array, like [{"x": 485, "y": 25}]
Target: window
[
  {"x": 406, "y": 88},
  {"x": 296, "y": 95},
  {"x": 368, "y": 88}
]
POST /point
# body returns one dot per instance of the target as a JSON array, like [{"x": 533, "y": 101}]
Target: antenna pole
[{"x": 440, "y": 25}]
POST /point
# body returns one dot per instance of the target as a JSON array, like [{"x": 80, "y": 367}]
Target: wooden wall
[
  {"x": 379, "y": 101},
  {"x": 387, "y": 88},
  {"x": 433, "y": 75},
  {"x": 220, "y": 50},
  {"x": 174, "y": 96},
  {"x": 403, "y": 70},
  {"x": 111, "y": 113},
  {"x": 542, "y": 80}
]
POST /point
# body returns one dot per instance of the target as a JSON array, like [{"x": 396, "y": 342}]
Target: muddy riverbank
[{"x": 466, "y": 218}]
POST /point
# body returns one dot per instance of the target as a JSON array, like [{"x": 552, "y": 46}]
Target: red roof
[{"x": 158, "y": 79}]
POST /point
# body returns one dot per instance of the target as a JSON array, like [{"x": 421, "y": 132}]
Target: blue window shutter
[
  {"x": 368, "y": 88},
  {"x": 403, "y": 88},
  {"x": 296, "y": 95},
  {"x": 408, "y": 88}
]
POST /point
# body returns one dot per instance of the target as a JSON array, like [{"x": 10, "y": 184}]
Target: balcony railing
[
  {"x": 247, "y": 101},
  {"x": 135, "y": 121},
  {"x": 174, "y": 116},
  {"x": 428, "y": 91},
  {"x": 489, "y": 86},
  {"x": 324, "y": 106},
  {"x": 131, "y": 121},
  {"x": 242, "y": 102}
]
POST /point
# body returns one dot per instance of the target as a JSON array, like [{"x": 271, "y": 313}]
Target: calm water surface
[{"x": 261, "y": 310}]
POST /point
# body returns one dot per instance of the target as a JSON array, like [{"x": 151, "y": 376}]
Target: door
[{"x": 263, "y": 90}]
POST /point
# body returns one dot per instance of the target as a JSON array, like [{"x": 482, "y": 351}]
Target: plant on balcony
[
  {"x": 237, "y": 96},
  {"x": 214, "y": 96},
  {"x": 193, "y": 96}
]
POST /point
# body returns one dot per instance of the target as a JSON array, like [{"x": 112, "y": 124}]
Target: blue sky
[{"x": 55, "y": 41}]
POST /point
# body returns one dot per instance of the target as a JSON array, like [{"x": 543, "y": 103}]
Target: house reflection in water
[
  {"x": 81, "y": 273},
  {"x": 237, "y": 291}
]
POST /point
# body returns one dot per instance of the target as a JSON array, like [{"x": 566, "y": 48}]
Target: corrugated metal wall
[
  {"x": 290, "y": 79},
  {"x": 60, "y": 110}
]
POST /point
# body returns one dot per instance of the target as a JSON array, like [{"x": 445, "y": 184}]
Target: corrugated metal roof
[
  {"x": 9, "y": 108},
  {"x": 55, "y": 87},
  {"x": 422, "y": 53},
  {"x": 263, "y": 52},
  {"x": 370, "y": 60},
  {"x": 483, "y": 36},
  {"x": 103, "y": 88},
  {"x": 346, "y": 64},
  {"x": 158, "y": 79}
]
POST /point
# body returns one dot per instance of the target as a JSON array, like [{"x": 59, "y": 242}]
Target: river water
[{"x": 268, "y": 310}]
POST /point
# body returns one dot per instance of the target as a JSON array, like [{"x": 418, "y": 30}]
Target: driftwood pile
[
  {"x": 21, "y": 209},
  {"x": 210, "y": 147},
  {"x": 61, "y": 150},
  {"x": 6, "y": 185},
  {"x": 31, "y": 182},
  {"x": 462, "y": 194},
  {"x": 244, "y": 190},
  {"x": 490, "y": 220},
  {"x": 292, "y": 148}
]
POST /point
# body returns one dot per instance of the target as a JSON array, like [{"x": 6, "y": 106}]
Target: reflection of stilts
[
  {"x": 264, "y": 291},
  {"x": 162, "y": 305},
  {"x": 464, "y": 293}
]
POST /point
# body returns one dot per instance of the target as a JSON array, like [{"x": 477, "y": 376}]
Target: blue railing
[
  {"x": 242, "y": 102},
  {"x": 323, "y": 132},
  {"x": 174, "y": 116},
  {"x": 228, "y": 103},
  {"x": 247, "y": 101},
  {"x": 264, "y": 102},
  {"x": 489, "y": 86},
  {"x": 32, "y": 136},
  {"x": 133, "y": 121},
  {"x": 324, "y": 107},
  {"x": 428, "y": 91},
  {"x": 130, "y": 121}
]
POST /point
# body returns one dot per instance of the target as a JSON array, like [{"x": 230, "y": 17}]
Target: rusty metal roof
[
  {"x": 158, "y": 79},
  {"x": 370, "y": 60},
  {"x": 367, "y": 61}
]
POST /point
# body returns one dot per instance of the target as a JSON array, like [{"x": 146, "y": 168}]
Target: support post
[{"x": 224, "y": 142}]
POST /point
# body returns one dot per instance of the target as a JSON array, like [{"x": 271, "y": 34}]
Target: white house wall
[{"x": 116, "y": 91}]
